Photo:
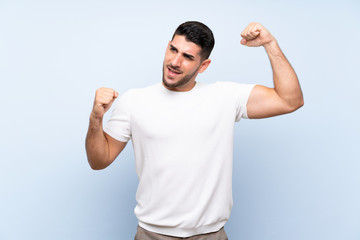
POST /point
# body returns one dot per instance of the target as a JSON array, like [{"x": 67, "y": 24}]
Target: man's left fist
[{"x": 255, "y": 35}]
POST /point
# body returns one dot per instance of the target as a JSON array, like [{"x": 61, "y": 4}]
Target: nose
[{"x": 176, "y": 62}]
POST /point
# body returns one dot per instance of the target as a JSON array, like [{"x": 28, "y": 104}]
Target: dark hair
[{"x": 199, "y": 34}]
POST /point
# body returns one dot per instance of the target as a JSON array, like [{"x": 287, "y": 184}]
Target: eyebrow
[{"x": 185, "y": 54}]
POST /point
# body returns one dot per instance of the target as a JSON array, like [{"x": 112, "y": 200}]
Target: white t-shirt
[{"x": 183, "y": 147}]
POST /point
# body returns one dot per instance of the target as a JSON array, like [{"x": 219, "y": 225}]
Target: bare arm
[
  {"x": 101, "y": 149},
  {"x": 286, "y": 96}
]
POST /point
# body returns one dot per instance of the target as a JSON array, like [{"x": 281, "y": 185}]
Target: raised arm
[
  {"x": 286, "y": 96},
  {"x": 101, "y": 149}
]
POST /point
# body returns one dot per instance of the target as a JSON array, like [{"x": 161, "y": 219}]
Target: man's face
[{"x": 182, "y": 63}]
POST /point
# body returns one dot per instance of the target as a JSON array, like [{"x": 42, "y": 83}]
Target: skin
[
  {"x": 286, "y": 96},
  {"x": 101, "y": 149},
  {"x": 182, "y": 63}
]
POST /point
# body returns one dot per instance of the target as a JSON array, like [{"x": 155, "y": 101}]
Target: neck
[{"x": 185, "y": 88}]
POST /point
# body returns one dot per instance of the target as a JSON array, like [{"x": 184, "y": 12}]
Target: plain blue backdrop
[{"x": 295, "y": 176}]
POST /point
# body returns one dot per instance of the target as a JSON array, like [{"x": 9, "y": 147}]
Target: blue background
[{"x": 295, "y": 176}]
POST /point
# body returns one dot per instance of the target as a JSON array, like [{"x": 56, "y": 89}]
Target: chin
[{"x": 168, "y": 84}]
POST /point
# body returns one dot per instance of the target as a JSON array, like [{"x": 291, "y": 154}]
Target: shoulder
[
  {"x": 229, "y": 84},
  {"x": 233, "y": 88},
  {"x": 137, "y": 92},
  {"x": 135, "y": 96}
]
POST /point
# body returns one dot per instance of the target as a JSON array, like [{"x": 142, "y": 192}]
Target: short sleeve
[
  {"x": 243, "y": 91},
  {"x": 119, "y": 126},
  {"x": 239, "y": 94}
]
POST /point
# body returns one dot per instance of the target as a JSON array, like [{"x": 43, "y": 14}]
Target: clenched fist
[
  {"x": 255, "y": 35},
  {"x": 104, "y": 98}
]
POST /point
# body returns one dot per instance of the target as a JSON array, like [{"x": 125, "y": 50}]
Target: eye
[
  {"x": 188, "y": 57},
  {"x": 172, "y": 49}
]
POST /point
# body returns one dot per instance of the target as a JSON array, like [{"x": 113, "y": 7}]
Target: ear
[{"x": 204, "y": 65}]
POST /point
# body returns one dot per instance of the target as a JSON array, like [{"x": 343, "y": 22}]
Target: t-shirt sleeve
[
  {"x": 118, "y": 126},
  {"x": 239, "y": 94},
  {"x": 244, "y": 91}
]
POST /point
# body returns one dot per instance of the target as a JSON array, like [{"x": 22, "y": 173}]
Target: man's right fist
[{"x": 104, "y": 98}]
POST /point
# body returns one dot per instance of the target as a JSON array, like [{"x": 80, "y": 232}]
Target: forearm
[
  {"x": 97, "y": 149},
  {"x": 286, "y": 83}
]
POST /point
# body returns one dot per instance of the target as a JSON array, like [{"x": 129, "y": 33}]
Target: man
[{"x": 182, "y": 133}]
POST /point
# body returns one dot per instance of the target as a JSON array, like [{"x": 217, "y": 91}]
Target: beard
[{"x": 183, "y": 81}]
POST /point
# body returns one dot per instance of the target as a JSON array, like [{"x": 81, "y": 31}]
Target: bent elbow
[
  {"x": 298, "y": 104},
  {"x": 301, "y": 103},
  {"x": 97, "y": 166}
]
